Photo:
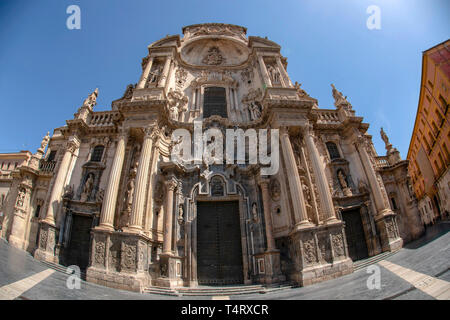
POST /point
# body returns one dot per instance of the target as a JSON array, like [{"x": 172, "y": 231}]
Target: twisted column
[{"x": 109, "y": 202}]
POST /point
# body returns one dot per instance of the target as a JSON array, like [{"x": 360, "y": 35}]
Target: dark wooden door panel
[
  {"x": 79, "y": 246},
  {"x": 354, "y": 231},
  {"x": 219, "y": 252}
]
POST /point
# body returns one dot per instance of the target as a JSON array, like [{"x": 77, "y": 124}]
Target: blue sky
[{"x": 47, "y": 70}]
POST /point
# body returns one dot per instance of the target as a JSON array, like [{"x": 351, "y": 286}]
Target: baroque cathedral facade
[{"x": 103, "y": 192}]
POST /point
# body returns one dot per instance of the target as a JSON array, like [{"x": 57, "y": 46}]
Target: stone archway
[{"x": 235, "y": 198}]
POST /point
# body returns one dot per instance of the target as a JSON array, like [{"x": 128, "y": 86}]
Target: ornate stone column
[
  {"x": 385, "y": 217},
  {"x": 264, "y": 71},
  {"x": 168, "y": 217},
  {"x": 165, "y": 72},
  {"x": 380, "y": 203},
  {"x": 300, "y": 213},
  {"x": 326, "y": 201},
  {"x": 145, "y": 74},
  {"x": 137, "y": 211},
  {"x": 55, "y": 196},
  {"x": 110, "y": 199}
]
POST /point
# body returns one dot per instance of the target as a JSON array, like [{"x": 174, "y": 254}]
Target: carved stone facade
[{"x": 117, "y": 205}]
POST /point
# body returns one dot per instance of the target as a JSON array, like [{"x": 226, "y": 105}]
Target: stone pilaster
[
  {"x": 145, "y": 74},
  {"x": 109, "y": 202},
  {"x": 326, "y": 201},
  {"x": 285, "y": 76},
  {"x": 298, "y": 201},
  {"x": 165, "y": 72},
  {"x": 137, "y": 211},
  {"x": 21, "y": 213},
  {"x": 265, "y": 74}
]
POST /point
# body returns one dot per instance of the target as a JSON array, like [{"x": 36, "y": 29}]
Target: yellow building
[{"x": 428, "y": 152}]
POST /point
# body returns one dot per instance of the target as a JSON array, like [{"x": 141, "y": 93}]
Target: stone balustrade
[
  {"x": 382, "y": 162},
  {"x": 46, "y": 166},
  {"x": 327, "y": 117},
  {"x": 103, "y": 118}
]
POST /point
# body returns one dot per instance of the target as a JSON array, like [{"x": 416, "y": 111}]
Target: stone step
[
  {"x": 217, "y": 291},
  {"x": 161, "y": 291},
  {"x": 372, "y": 260},
  {"x": 61, "y": 268}
]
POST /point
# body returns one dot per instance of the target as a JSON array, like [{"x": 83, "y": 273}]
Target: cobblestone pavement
[{"x": 421, "y": 270}]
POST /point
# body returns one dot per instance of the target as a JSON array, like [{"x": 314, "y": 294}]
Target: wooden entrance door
[
  {"x": 219, "y": 251},
  {"x": 79, "y": 246},
  {"x": 354, "y": 231}
]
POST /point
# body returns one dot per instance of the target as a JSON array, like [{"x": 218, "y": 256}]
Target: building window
[
  {"x": 394, "y": 204},
  {"x": 333, "y": 150},
  {"x": 38, "y": 210},
  {"x": 51, "y": 156},
  {"x": 97, "y": 153},
  {"x": 215, "y": 102}
]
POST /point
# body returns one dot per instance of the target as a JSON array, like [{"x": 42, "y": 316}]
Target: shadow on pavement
[{"x": 432, "y": 233}]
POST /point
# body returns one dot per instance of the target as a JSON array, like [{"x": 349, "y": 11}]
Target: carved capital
[
  {"x": 71, "y": 146},
  {"x": 171, "y": 185}
]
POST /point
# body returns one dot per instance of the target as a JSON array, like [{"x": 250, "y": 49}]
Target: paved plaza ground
[{"x": 421, "y": 270}]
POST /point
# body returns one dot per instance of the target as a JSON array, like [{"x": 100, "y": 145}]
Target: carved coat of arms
[{"x": 213, "y": 57}]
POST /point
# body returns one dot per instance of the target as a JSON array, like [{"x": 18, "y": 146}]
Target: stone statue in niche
[
  {"x": 255, "y": 110},
  {"x": 20, "y": 197},
  {"x": 343, "y": 182},
  {"x": 213, "y": 57},
  {"x": 130, "y": 193},
  {"x": 177, "y": 103},
  {"x": 274, "y": 74},
  {"x": 87, "y": 189},
  {"x": 252, "y": 103},
  {"x": 155, "y": 74},
  {"x": 254, "y": 212},
  {"x": 180, "y": 233}
]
